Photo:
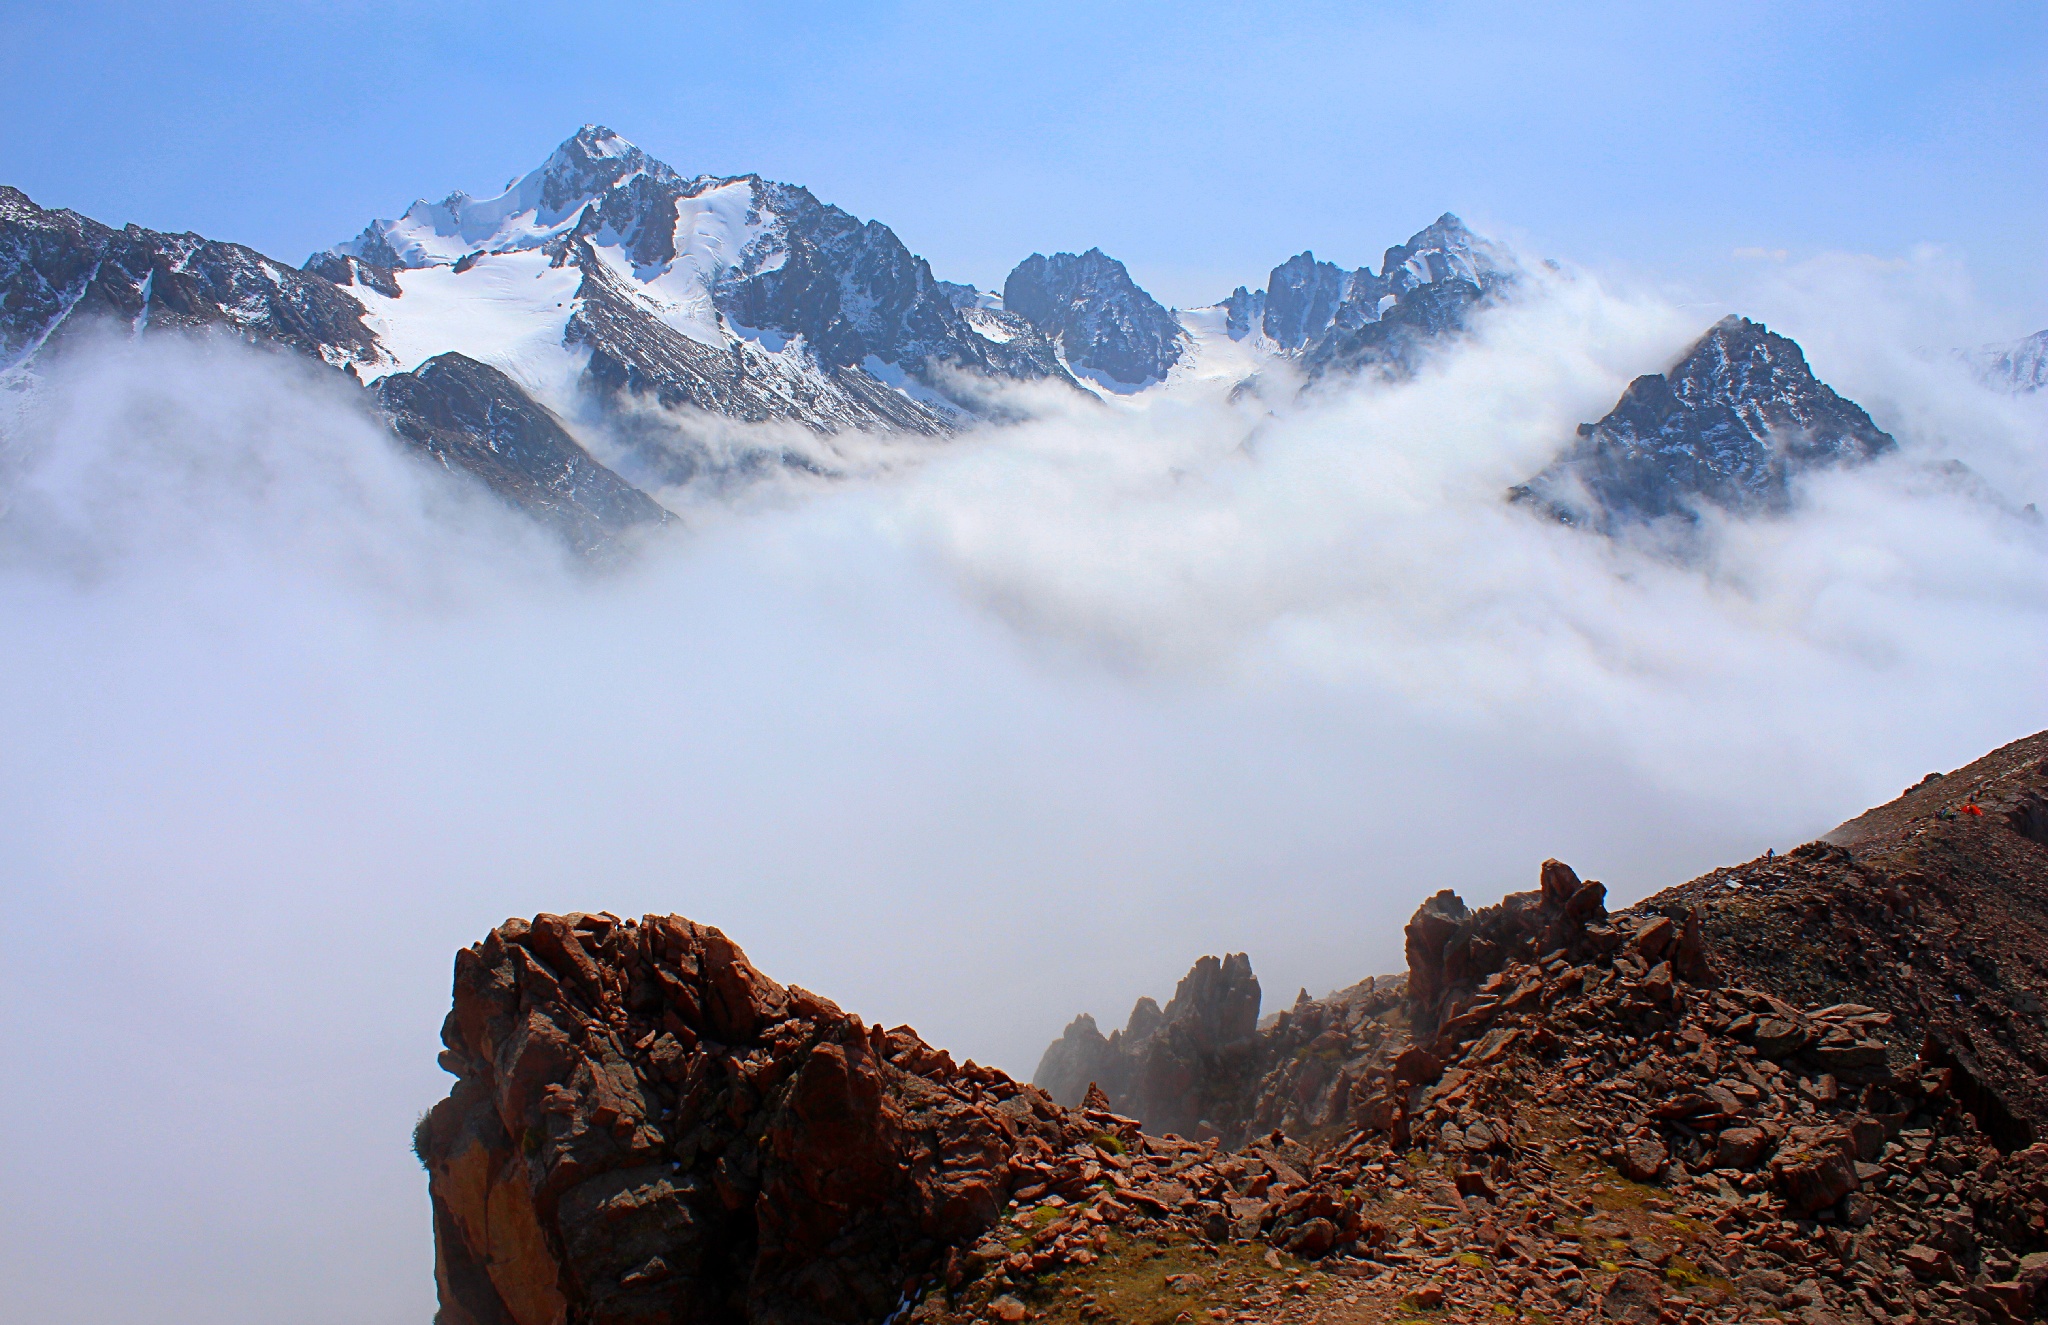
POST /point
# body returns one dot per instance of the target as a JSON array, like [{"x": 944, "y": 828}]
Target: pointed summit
[
  {"x": 1343, "y": 321},
  {"x": 1444, "y": 250},
  {"x": 1108, "y": 328},
  {"x": 1730, "y": 425},
  {"x": 588, "y": 162}
]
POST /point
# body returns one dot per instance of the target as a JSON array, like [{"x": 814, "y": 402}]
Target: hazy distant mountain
[
  {"x": 470, "y": 416},
  {"x": 64, "y": 277},
  {"x": 2020, "y": 365},
  {"x": 61, "y": 273},
  {"x": 1729, "y": 425}
]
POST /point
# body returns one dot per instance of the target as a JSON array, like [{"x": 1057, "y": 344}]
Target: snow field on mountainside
[{"x": 508, "y": 310}]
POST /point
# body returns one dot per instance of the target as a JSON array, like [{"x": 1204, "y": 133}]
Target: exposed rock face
[
  {"x": 1080, "y": 1061},
  {"x": 1204, "y": 1042},
  {"x": 1738, "y": 417},
  {"x": 62, "y": 274},
  {"x": 1104, "y": 324},
  {"x": 732, "y": 295},
  {"x": 635, "y": 357},
  {"x": 645, "y": 1128},
  {"x": 344, "y": 269},
  {"x": 1451, "y": 950},
  {"x": 1313, "y": 1056},
  {"x": 1399, "y": 338},
  {"x": 1205, "y": 1067},
  {"x": 1346, "y": 322},
  {"x": 852, "y": 289},
  {"x": 1244, "y": 312},
  {"x": 1302, "y": 299},
  {"x": 473, "y": 418},
  {"x": 1933, "y": 908}
]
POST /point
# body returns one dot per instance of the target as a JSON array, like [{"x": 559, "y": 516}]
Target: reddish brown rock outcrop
[
  {"x": 1629, "y": 1116},
  {"x": 645, "y": 1128}
]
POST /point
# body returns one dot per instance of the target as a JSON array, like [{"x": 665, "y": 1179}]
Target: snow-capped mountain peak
[
  {"x": 603, "y": 275},
  {"x": 590, "y": 167},
  {"x": 1445, "y": 250},
  {"x": 1731, "y": 424}
]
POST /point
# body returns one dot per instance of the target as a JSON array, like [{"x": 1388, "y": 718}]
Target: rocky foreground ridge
[{"x": 1562, "y": 1113}]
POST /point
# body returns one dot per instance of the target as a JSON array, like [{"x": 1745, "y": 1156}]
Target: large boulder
[{"x": 646, "y": 1128}]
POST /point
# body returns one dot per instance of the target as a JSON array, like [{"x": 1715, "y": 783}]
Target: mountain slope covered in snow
[
  {"x": 605, "y": 273},
  {"x": 65, "y": 278}
]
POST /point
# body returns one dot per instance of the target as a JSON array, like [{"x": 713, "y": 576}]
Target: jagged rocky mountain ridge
[
  {"x": 1730, "y": 425},
  {"x": 1175, "y": 1068},
  {"x": 1105, "y": 326},
  {"x": 1908, "y": 907},
  {"x": 1560, "y": 1111},
  {"x": 734, "y": 295},
  {"x": 472, "y": 417},
  {"x": 1333, "y": 320},
  {"x": 629, "y": 303},
  {"x": 1208, "y": 1067},
  {"x": 65, "y": 278},
  {"x": 62, "y": 274}
]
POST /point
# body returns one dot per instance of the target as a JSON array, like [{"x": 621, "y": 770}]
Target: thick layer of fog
[{"x": 996, "y": 732}]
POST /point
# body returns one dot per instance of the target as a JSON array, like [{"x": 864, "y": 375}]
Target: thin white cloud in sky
[{"x": 1010, "y": 729}]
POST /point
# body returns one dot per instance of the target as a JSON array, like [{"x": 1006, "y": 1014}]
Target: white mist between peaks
[
  {"x": 1004, "y": 729},
  {"x": 1360, "y": 540}
]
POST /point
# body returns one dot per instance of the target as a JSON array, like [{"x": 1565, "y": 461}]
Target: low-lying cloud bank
[{"x": 1009, "y": 729}]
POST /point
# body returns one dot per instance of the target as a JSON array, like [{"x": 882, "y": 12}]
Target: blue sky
[{"x": 1202, "y": 143}]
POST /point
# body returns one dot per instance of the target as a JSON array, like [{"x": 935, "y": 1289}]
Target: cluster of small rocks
[{"x": 1274, "y": 1189}]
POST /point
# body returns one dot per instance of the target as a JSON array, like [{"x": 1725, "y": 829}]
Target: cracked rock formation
[{"x": 646, "y": 1128}]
